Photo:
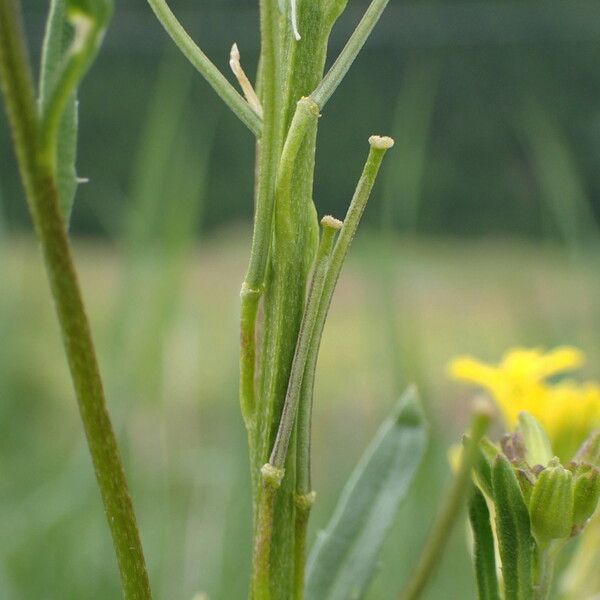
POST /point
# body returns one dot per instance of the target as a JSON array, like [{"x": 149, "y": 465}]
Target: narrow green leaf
[
  {"x": 515, "y": 541},
  {"x": 483, "y": 552},
  {"x": 57, "y": 39},
  {"x": 342, "y": 562}
]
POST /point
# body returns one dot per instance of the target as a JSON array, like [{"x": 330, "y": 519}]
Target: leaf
[
  {"x": 57, "y": 39},
  {"x": 483, "y": 551},
  {"x": 342, "y": 562},
  {"x": 514, "y": 532}
]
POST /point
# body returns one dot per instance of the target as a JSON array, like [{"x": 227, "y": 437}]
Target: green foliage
[
  {"x": 344, "y": 557},
  {"x": 57, "y": 40},
  {"x": 515, "y": 541},
  {"x": 484, "y": 553},
  {"x": 586, "y": 493}
]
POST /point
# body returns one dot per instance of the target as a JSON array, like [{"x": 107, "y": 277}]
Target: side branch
[
  {"x": 206, "y": 67},
  {"x": 42, "y": 196}
]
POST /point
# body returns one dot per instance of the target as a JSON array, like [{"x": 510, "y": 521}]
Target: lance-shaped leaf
[
  {"x": 57, "y": 40},
  {"x": 342, "y": 562},
  {"x": 484, "y": 554},
  {"x": 513, "y": 529}
]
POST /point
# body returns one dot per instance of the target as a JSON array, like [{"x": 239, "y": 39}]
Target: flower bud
[
  {"x": 586, "y": 487},
  {"x": 537, "y": 445},
  {"x": 551, "y": 504}
]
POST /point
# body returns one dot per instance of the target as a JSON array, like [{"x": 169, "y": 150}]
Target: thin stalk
[
  {"x": 304, "y": 504},
  {"x": 261, "y": 565},
  {"x": 206, "y": 67},
  {"x": 379, "y": 145},
  {"x": 303, "y": 345},
  {"x": 42, "y": 196},
  {"x": 300, "y": 387},
  {"x": 268, "y": 158},
  {"x": 273, "y": 471},
  {"x": 547, "y": 558},
  {"x": 450, "y": 509},
  {"x": 330, "y": 82},
  {"x": 348, "y": 55}
]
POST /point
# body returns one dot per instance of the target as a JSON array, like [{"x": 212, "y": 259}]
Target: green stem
[
  {"x": 206, "y": 67},
  {"x": 363, "y": 191},
  {"x": 304, "y": 505},
  {"x": 261, "y": 564},
  {"x": 292, "y": 398},
  {"x": 323, "y": 92},
  {"x": 268, "y": 157},
  {"x": 547, "y": 562},
  {"x": 447, "y": 516},
  {"x": 348, "y": 55},
  {"x": 17, "y": 86}
]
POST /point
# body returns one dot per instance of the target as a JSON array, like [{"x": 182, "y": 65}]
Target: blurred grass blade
[
  {"x": 413, "y": 118},
  {"x": 484, "y": 553},
  {"x": 57, "y": 40},
  {"x": 514, "y": 534},
  {"x": 562, "y": 187},
  {"x": 341, "y": 564}
]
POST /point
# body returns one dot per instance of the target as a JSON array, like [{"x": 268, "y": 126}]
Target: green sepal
[
  {"x": 482, "y": 468},
  {"x": 484, "y": 554},
  {"x": 586, "y": 493},
  {"x": 538, "y": 450},
  {"x": 515, "y": 541},
  {"x": 551, "y": 504},
  {"x": 526, "y": 481}
]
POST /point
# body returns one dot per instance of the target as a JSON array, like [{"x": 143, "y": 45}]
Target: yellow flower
[{"x": 567, "y": 410}]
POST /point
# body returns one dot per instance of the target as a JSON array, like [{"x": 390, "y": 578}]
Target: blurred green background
[{"x": 482, "y": 234}]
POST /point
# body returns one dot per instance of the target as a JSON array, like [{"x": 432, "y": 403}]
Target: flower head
[{"x": 568, "y": 410}]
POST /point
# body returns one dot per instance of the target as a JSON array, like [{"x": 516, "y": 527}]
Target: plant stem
[
  {"x": 261, "y": 565},
  {"x": 304, "y": 505},
  {"x": 547, "y": 560},
  {"x": 379, "y": 146},
  {"x": 290, "y": 407},
  {"x": 16, "y": 82},
  {"x": 268, "y": 157},
  {"x": 453, "y": 501},
  {"x": 348, "y": 55},
  {"x": 206, "y": 67}
]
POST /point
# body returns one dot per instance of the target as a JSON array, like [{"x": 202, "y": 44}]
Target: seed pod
[{"x": 551, "y": 504}]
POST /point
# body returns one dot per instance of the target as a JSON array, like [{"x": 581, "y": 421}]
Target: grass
[{"x": 181, "y": 431}]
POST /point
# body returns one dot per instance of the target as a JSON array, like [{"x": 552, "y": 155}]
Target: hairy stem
[
  {"x": 450, "y": 509},
  {"x": 206, "y": 67},
  {"x": 42, "y": 196},
  {"x": 304, "y": 504},
  {"x": 261, "y": 564}
]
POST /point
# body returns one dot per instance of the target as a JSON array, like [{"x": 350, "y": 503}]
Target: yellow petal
[{"x": 465, "y": 368}]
